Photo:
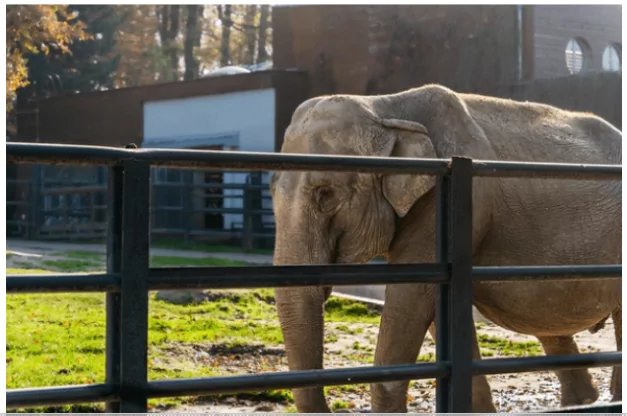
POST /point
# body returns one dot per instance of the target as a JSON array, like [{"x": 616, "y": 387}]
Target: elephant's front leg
[
  {"x": 301, "y": 314},
  {"x": 407, "y": 313}
]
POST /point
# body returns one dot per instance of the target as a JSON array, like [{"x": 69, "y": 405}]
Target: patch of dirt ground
[{"x": 349, "y": 345}]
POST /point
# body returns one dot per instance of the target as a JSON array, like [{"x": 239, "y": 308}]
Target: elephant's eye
[{"x": 324, "y": 198}]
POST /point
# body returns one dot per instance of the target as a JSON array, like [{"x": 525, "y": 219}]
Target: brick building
[
  {"x": 380, "y": 49},
  {"x": 595, "y": 31}
]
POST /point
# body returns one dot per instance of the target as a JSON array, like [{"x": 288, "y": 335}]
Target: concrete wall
[
  {"x": 554, "y": 25},
  {"x": 248, "y": 114}
]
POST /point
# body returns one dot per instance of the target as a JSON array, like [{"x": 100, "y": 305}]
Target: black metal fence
[
  {"x": 129, "y": 278},
  {"x": 70, "y": 203}
]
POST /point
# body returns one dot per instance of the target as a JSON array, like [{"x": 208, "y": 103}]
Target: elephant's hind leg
[
  {"x": 617, "y": 372},
  {"x": 576, "y": 385},
  {"x": 481, "y": 392}
]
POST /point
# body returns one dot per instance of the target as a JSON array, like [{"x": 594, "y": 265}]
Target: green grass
[
  {"x": 345, "y": 310},
  {"x": 72, "y": 265},
  {"x": 487, "y": 353},
  {"x": 59, "y": 339},
  {"x": 197, "y": 246},
  {"x": 11, "y": 270},
  {"x": 82, "y": 261},
  {"x": 167, "y": 261},
  {"x": 81, "y": 255},
  {"x": 508, "y": 347},
  {"x": 426, "y": 358},
  {"x": 339, "y": 404},
  {"x": 351, "y": 331}
]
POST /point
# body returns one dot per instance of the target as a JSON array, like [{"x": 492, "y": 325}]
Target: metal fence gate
[{"x": 129, "y": 278}]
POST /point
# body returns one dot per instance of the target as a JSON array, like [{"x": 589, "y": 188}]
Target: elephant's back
[{"x": 534, "y": 132}]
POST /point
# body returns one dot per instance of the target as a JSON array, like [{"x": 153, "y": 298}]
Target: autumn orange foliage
[{"x": 32, "y": 29}]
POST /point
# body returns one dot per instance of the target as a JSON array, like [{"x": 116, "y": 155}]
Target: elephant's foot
[
  {"x": 482, "y": 396},
  {"x": 578, "y": 392},
  {"x": 577, "y": 386},
  {"x": 311, "y": 400},
  {"x": 616, "y": 387},
  {"x": 389, "y": 397}
]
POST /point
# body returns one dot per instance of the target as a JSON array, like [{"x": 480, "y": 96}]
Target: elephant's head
[{"x": 331, "y": 217}]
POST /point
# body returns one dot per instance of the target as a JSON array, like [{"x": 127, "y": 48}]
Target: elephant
[{"x": 350, "y": 218}]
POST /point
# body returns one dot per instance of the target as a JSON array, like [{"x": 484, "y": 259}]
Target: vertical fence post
[
  {"x": 442, "y": 316},
  {"x": 37, "y": 204},
  {"x": 460, "y": 299},
  {"x": 187, "y": 209},
  {"x": 114, "y": 265},
  {"x": 247, "y": 216},
  {"x": 134, "y": 287}
]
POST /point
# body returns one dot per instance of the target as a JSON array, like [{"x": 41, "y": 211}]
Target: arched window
[
  {"x": 576, "y": 54},
  {"x": 611, "y": 58}
]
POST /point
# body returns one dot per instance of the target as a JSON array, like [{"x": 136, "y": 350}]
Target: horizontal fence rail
[
  {"x": 316, "y": 378},
  {"x": 256, "y": 277},
  {"x": 250, "y": 161},
  {"x": 128, "y": 278}
]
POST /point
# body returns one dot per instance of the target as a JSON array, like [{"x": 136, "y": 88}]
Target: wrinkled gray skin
[{"x": 350, "y": 218}]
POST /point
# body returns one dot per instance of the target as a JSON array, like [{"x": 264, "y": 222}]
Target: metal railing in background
[
  {"x": 129, "y": 278},
  {"x": 185, "y": 205}
]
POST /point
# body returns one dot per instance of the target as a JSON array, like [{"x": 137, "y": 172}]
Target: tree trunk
[
  {"x": 264, "y": 13},
  {"x": 173, "y": 52},
  {"x": 251, "y": 34},
  {"x": 192, "y": 40},
  {"x": 169, "y": 25},
  {"x": 225, "y": 42}
]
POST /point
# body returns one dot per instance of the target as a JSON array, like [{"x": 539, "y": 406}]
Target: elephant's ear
[{"x": 406, "y": 139}]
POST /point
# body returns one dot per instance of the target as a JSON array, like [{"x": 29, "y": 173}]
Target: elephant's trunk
[{"x": 301, "y": 314}]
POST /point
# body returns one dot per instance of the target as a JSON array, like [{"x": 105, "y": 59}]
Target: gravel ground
[{"x": 525, "y": 392}]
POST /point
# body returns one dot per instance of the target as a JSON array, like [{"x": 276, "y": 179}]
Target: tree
[
  {"x": 169, "y": 18},
  {"x": 142, "y": 59},
  {"x": 262, "y": 53},
  {"x": 245, "y": 31},
  {"x": 224, "y": 14},
  {"x": 34, "y": 30},
  {"x": 92, "y": 64},
  {"x": 130, "y": 45},
  {"x": 251, "y": 34},
  {"x": 192, "y": 40}
]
